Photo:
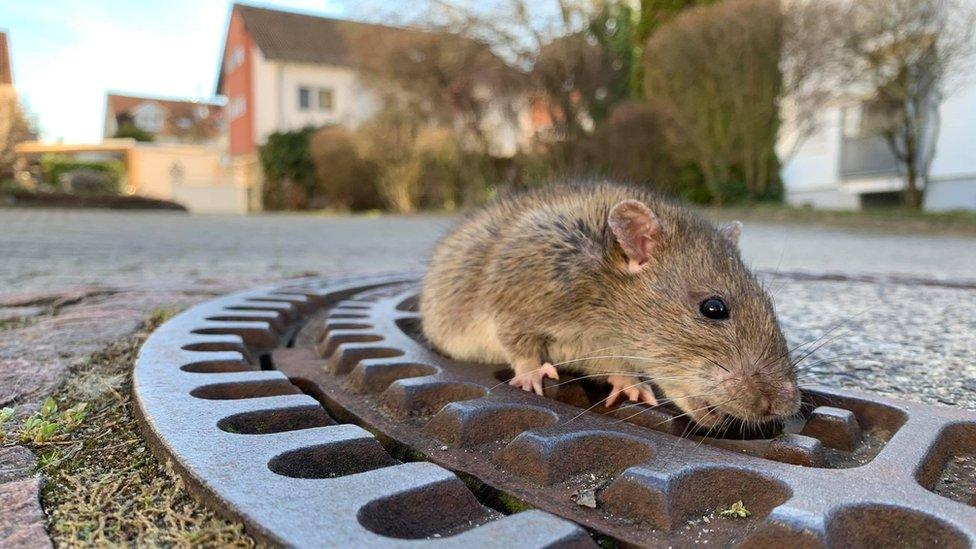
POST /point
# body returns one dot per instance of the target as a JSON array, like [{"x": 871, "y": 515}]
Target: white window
[
  {"x": 149, "y": 117},
  {"x": 326, "y": 99},
  {"x": 304, "y": 98},
  {"x": 236, "y": 107},
  {"x": 235, "y": 59}
]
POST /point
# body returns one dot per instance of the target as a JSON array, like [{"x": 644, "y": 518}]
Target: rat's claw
[
  {"x": 632, "y": 388},
  {"x": 531, "y": 381}
]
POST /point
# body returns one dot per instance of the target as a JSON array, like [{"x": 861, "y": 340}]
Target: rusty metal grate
[{"x": 236, "y": 392}]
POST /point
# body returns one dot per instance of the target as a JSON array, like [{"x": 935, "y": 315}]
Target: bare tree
[{"x": 908, "y": 55}]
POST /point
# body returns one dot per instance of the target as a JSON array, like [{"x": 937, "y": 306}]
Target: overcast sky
[{"x": 66, "y": 53}]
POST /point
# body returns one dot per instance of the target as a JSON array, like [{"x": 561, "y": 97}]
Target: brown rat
[{"x": 608, "y": 279}]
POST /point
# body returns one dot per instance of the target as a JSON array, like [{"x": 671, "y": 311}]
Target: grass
[
  {"x": 890, "y": 220},
  {"x": 103, "y": 485}
]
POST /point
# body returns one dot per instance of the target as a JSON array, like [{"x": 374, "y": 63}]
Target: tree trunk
[{"x": 913, "y": 194}]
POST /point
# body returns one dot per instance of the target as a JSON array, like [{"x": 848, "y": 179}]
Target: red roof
[{"x": 182, "y": 115}]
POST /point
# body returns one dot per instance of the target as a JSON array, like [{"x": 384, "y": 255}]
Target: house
[
  {"x": 846, "y": 163},
  {"x": 283, "y": 71},
  {"x": 189, "y": 174},
  {"x": 6, "y": 72},
  {"x": 166, "y": 120}
]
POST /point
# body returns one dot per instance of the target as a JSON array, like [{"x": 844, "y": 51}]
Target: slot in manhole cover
[{"x": 317, "y": 415}]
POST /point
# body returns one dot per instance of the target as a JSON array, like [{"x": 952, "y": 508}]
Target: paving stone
[
  {"x": 22, "y": 520},
  {"x": 14, "y": 314},
  {"x": 16, "y": 462},
  {"x": 57, "y": 298}
]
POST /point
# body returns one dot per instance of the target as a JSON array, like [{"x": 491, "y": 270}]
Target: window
[
  {"x": 304, "y": 98},
  {"x": 236, "y": 107},
  {"x": 235, "y": 59},
  {"x": 149, "y": 117},
  {"x": 325, "y": 99}
]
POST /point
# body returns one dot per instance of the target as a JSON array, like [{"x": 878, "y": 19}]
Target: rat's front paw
[
  {"x": 632, "y": 388},
  {"x": 531, "y": 380}
]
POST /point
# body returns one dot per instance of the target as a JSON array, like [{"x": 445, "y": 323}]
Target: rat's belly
[
  {"x": 476, "y": 340},
  {"x": 587, "y": 355}
]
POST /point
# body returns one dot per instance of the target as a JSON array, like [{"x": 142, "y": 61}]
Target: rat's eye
[{"x": 714, "y": 308}]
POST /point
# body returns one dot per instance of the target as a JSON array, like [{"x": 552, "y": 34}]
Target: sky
[{"x": 66, "y": 54}]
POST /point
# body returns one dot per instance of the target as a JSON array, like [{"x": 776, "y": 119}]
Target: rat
[{"x": 607, "y": 279}]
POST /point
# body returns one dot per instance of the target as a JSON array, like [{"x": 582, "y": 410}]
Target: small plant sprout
[
  {"x": 47, "y": 424},
  {"x": 736, "y": 510},
  {"x": 5, "y": 415}
]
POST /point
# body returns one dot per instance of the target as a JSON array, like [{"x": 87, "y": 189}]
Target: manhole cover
[{"x": 317, "y": 414}]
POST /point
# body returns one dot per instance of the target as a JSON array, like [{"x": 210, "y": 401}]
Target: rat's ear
[
  {"x": 637, "y": 231},
  {"x": 731, "y": 232}
]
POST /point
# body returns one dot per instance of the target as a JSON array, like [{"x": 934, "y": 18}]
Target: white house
[
  {"x": 283, "y": 71},
  {"x": 847, "y": 165}
]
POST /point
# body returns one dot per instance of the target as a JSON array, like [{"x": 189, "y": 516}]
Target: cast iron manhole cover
[{"x": 317, "y": 415}]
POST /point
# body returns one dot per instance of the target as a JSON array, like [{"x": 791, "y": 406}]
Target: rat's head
[{"x": 704, "y": 323}]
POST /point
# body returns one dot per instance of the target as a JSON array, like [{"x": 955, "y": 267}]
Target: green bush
[
  {"x": 90, "y": 177},
  {"x": 289, "y": 173},
  {"x": 134, "y": 132}
]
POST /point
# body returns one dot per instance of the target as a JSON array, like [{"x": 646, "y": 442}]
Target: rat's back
[
  {"x": 491, "y": 260},
  {"x": 452, "y": 308}
]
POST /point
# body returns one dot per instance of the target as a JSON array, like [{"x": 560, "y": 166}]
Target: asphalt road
[
  {"x": 54, "y": 248},
  {"x": 914, "y": 341}
]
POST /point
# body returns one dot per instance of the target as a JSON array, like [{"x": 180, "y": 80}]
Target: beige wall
[{"x": 154, "y": 170}]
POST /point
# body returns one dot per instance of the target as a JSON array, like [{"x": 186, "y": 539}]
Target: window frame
[{"x": 318, "y": 99}]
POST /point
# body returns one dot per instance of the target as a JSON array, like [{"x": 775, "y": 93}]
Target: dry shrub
[
  {"x": 438, "y": 159},
  {"x": 345, "y": 179},
  {"x": 717, "y": 71},
  {"x": 634, "y": 146}
]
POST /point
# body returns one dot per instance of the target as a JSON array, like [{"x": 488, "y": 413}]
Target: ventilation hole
[
  {"x": 332, "y": 460},
  {"x": 245, "y": 389},
  {"x": 353, "y": 306},
  {"x": 878, "y": 525},
  {"x": 276, "y": 421},
  {"x": 219, "y": 366},
  {"x": 215, "y": 346},
  {"x": 412, "y": 327},
  {"x": 409, "y": 305},
  {"x": 348, "y": 315},
  {"x": 347, "y": 326},
  {"x": 436, "y": 510},
  {"x": 949, "y": 469},
  {"x": 220, "y": 346},
  {"x": 373, "y": 378},
  {"x": 267, "y": 363}
]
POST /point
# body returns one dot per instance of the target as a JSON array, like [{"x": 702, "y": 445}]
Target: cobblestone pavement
[{"x": 72, "y": 282}]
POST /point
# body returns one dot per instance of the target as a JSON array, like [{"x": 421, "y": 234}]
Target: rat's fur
[{"x": 541, "y": 276}]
